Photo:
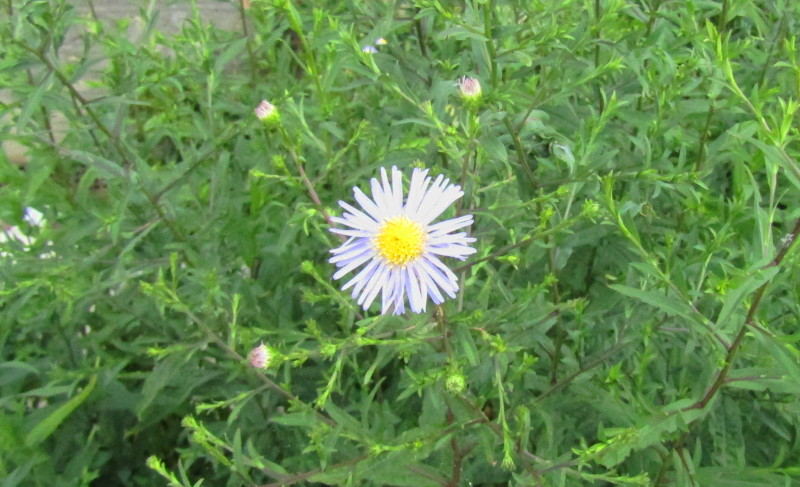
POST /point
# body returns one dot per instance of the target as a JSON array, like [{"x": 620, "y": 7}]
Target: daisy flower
[{"x": 397, "y": 246}]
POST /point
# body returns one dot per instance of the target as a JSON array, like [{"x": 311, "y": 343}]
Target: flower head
[
  {"x": 259, "y": 357},
  {"x": 470, "y": 88},
  {"x": 380, "y": 41},
  {"x": 369, "y": 49},
  {"x": 33, "y": 216},
  {"x": 396, "y": 245},
  {"x": 267, "y": 112}
]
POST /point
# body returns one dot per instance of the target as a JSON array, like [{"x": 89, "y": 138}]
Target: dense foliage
[{"x": 630, "y": 317}]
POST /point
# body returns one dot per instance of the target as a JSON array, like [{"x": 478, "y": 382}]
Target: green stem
[
  {"x": 487, "y": 32},
  {"x": 600, "y": 99},
  {"x": 701, "y": 146},
  {"x": 719, "y": 380},
  {"x": 249, "y": 43},
  {"x": 304, "y": 177},
  {"x": 420, "y": 35}
]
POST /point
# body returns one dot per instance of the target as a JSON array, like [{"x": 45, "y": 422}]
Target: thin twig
[{"x": 719, "y": 380}]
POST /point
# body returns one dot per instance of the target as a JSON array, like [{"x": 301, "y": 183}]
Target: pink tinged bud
[
  {"x": 259, "y": 357},
  {"x": 266, "y": 111},
  {"x": 470, "y": 88}
]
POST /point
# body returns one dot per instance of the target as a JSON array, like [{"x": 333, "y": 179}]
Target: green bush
[{"x": 629, "y": 318}]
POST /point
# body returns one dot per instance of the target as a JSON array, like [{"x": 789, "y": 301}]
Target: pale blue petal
[
  {"x": 363, "y": 276},
  {"x": 373, "y": 287},
  {"x": 346, "y": 246},
  {"x": 450, "y": 225},
  {"x": 369, "y": 206},
  {"x": 397, "y": 191},
  {"x": 387, "y": 295},
  {"x": 352, "y": 233},
  {"x": 352, "y": 265},
  {"x": 456, "y": 251},
  {"x": 356, "y": 215},
  {"x": 415, "y": 298},
  {"x": 353, "y": 251},
  {"x": 379, "y": 198},
  {"x": 416, "y": 192},
  {"x": 432, "y": 208},
  {"x": 449, "y": 239},
  {"x": 399, "y": 293},
  {"x": 432, "y": 288},
  {"x": 446, "y": 284}
]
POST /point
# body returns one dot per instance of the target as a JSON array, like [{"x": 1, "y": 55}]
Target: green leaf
[
  {"x": 670, "y": 305},
  {"x": 734, "y": 297},
  {"x": 48, "y": 425}
]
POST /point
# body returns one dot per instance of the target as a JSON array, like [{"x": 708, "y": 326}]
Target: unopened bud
[
  {"x": 590, "y": 209},
  {"x": 470, "y": 88},
  {"x": 259, "y": 357},
  {"x": 455, "y": 383},
  {"x": 267, "y": 113}
]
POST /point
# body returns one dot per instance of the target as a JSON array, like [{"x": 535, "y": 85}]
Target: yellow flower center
[{"x": 400, "y": 240}]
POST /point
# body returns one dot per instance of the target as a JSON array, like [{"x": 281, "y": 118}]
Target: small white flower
[
  {"x": 369, "y": 49},
  {"x": 398, "y": 245},
  {"x": 13, "y": 233},
  {"x": 259, "y": 357},
  {"x": 33, "y": 216},
  {"x": 380, "y": 41}
]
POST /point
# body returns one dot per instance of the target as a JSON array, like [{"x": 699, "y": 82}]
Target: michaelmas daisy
[{"x": 395, "y": 244}]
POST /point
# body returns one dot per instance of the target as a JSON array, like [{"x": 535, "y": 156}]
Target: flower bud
[
  {"x": 267, "y": 113},
  {"x": 455, "y": 383},
  {"x": 470, "y": 88},
  {"x": 259, "y": 357},
  {"x": 590, "y": 209}
]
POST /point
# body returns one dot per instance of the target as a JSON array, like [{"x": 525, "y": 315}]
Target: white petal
[
  {"x": 456, "y": 251},
  {"x": 433, "y": 207},
  {"x": 432, "y": 288},
  {"x": 388, "y": 289},
  {"x": 399, "y": 294},
  {"x": 363, "y": 246},
  {"x": 442, "y": 279},
  {"x": 380, "y": 199},
  {"x": 352, "y": 265},
  {"x": 33, "y": 216},
  {"x": 387, "y": 190},
  {"x": 374, "y": 287},
  {"x": 414, "y": 296},
  {"x": 356, "y": 215},
  {"x": 397, "y": 191},
  {"x": 447, "y": 226},
  {"x": 360, "y": 279},
  {"x": 423, "y": 283},
  {"x": 369, "y": 206},
  {"x": 449, "y": 239},
  {"x": 416, "y": 192},
  {"x": 352, "y": 233}
]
